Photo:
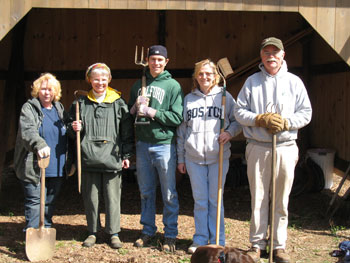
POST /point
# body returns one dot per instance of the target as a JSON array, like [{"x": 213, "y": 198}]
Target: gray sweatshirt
[
  {"x": 198, "y": 134},
  {"x": 285, "y": 91}
]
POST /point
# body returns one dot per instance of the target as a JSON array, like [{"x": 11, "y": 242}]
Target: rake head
[{"x": 142, "y": 60}]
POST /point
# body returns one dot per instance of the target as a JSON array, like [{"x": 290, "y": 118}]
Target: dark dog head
[{"x": 219, "y": 254}]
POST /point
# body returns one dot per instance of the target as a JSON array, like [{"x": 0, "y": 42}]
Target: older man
[{"x": 273, "y": 89}]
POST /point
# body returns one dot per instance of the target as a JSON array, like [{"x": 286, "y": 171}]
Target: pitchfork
[{"x": 143, "y": 63}]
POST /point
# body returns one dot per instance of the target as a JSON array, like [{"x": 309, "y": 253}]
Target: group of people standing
[{"x": 181, "y": 133}]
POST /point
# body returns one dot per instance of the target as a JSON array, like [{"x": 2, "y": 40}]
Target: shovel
[{"x": 40, "y": 243}]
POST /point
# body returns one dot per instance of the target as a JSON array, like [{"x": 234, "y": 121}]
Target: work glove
[
  {"x": 147, "y": 111},
  {"x": 268, "y": 120},
  {"x": 278, "y": 128},
  {"x": 44, "y": 152}
]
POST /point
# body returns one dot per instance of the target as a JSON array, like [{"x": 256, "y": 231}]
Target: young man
[
  {"x": 271, "y": 89},
  {"x": 162, "y": 106}
]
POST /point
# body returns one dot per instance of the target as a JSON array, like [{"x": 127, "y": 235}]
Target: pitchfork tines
[{"x": 142, "y": 60}]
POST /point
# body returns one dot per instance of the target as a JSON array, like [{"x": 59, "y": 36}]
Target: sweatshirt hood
[
  {"x": 111, "y": 95},
  {"x": 162, "y": 76}
]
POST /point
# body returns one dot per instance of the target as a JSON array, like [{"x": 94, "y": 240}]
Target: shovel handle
[
  {"x": 42, "y": 193},
  {"x": 77, "y": 117},
  {"x": 221, "y": 160}
]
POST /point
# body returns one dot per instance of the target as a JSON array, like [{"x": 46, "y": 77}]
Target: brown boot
[
  {"x": 254, "y": 253},
  {"x": 280, "y": 256}
]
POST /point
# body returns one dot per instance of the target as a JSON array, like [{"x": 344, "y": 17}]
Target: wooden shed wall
[
  {"x": 68, "y": 40},
  {"x": 329, "y": 17}
]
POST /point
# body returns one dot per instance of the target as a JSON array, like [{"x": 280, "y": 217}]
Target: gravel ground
[{"x": 311, "y": 236}]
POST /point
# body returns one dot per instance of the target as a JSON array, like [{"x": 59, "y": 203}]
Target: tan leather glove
[
  {"x": 279, "y": 128},
  {"x": 269, "y": 120}
]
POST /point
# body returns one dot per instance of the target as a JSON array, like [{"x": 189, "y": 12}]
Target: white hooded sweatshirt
[{"x": 198, "y": 135}]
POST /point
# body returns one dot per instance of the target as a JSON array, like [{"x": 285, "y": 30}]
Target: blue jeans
[
  {"x": 204, "y": 183},
  {"x": 32, "y": 201},
  {"x": 153, "y": 162}
]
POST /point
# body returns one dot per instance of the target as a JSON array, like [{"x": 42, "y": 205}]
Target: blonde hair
[
  {"x": 54, "y": 84},
  {"x": 198, "y": 66},
  {"x": 101, "y": 68}
]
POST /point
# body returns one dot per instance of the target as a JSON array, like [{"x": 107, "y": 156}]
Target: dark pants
[
  {"x": 95, "y": 185},
  {"x": 32, "y": 201}
]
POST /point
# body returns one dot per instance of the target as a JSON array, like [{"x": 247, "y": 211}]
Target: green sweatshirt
[{"x": 166, "y": 96}]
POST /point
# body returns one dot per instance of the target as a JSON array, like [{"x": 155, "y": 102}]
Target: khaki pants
[
  {"x": 259, "y": 176},
  {"x": 108, "y": 185}
]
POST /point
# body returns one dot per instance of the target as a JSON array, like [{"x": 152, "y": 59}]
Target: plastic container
[{"x": 325, "y": 159}]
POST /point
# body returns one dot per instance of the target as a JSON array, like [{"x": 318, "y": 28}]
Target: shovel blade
[{"x": 40, "y": 243}]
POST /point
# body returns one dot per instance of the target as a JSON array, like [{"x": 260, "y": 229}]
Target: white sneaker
[{"x": 192, "y": 248}]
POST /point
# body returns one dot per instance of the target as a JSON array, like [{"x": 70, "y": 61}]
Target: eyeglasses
[
  {"x": 273, "y": 53},
  {"x": 202, "y": 74}
]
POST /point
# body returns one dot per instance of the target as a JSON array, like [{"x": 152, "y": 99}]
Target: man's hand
[
  {"x": 147, "y": 111},
  {"x": 181, "y": 167},
  {"x": 269, "y": 120},
  {"x": 279, "y": 128}
]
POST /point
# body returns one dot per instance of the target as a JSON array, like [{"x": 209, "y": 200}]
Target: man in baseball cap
[
  {"x": 272, "y": 41},
  {"x": 285, "y": 92}
]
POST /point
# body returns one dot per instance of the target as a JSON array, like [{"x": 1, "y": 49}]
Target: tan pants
[{"x": 259, "y": 176}]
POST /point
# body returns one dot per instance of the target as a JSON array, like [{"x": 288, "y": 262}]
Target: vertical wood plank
[
  {"x": 215, "y": 5},
  {"x": 308, "y": 11},
  {"x": 195, "y": 4},
  {"x": 137, "y": 4},
  {"x": 252, "y": 5},
  {"x": 236, "y": 5},
  {"x": 326, "y": 20},
  {"x": 5, "y": 24},
  {"x": 98, "y": 4},
  {"x": 60, "y": 3},
  {"x": 176, "y": 4},
  {"x": 342, "y": 30},
  {"x": 289, "y": 5},
  {"x": 156, "y": 4},
  {"x": 18, "y": 10},
  {"x": 271, "y": 5},
  {"x": 118, "y": 4}
]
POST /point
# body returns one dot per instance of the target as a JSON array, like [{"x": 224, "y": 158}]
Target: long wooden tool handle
[
  {"x": 273, "y": 190},
  {"x": 339, "y": 186},
  {"x": 221, "y": 160},
  {"x": 78, "y": 147},
  {"x": 42, "y": 198}
]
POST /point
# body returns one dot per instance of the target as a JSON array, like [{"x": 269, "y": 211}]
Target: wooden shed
[{"x": 66, "y": 36}]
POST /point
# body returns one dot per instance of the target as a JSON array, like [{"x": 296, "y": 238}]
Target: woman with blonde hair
[
  {"x": 41, "y": 132},
  {"x": 198, "y": 149}
]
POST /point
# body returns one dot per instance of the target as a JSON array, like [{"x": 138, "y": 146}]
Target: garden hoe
[
  {"x": 142, "y": 62},
  {"x": 40, "y": 243},
  {"x": 78, "y": 93}
]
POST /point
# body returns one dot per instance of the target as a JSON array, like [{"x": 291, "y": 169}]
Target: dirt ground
[{"x": 311, "y": 238}]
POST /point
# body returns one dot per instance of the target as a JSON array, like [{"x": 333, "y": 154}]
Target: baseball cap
[
  {"x": 272, "y": 41},
  {"x": 158, "y": 50}
]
